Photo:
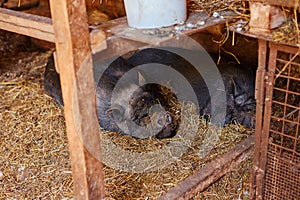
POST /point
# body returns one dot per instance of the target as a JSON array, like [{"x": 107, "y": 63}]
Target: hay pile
[
  {"x": 287, "y": 33},
  {"x": 34, "y": 154},
  {"x": 152, "y": 184},
  {"x": 211, "y": 6}
]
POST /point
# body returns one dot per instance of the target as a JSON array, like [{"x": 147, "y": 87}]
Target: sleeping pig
[{"x": 134, "y": 108}]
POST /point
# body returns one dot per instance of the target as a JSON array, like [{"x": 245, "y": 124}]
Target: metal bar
[
  {"x": 284, "y": 104},
  {"x": 286, "y": 48},
  {"x": 211, "y": 172},
  {"x": 27, "y": 24}
]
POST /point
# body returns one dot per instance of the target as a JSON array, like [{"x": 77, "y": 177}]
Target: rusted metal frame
[
  {"x": 211, "y": 172},
  {"x": 285, "y": 104},
  {"x": 267, "y": 117},
  {"x": 282, "y": 119},
  {"x": 285, "y": 61},
  {"x": 295, "y": 51},
  {"x": 288, "y": 136},
  {"x": 83, "y": 131},
  {"x": 295, "y": 153},
  {"x": 286, "y": 149},
  {"x": 296, "y": 134},
  {"x": 292, "y": 78},
  {"x": 288, "y": 91},
  {"x": 290, "y": 50},
  {"x": 286, "y": 48},
  {"x": 259, "y": 96},
  {"x": 27, "y": 24}
]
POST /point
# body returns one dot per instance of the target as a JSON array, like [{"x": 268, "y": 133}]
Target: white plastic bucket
[{"x": 155, "y": 13}]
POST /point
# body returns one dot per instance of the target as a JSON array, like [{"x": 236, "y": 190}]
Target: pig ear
[
  {"x": 141, "y": 78},
  {"x": 117, "y": 113}
]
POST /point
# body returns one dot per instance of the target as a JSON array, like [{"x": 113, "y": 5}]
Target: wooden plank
[
  {"x": 27, "y": 24},
  {"x": 261, "y": 169},
  {"x": 260, "y": 99},
  {"x": 211, "y": 172},
  {"x": 261, "y": 36},
  {"x": 98, "y": 41},
  {"x": 264, "y": 18},
  {"x": 116, "y": 46},
  {"x": 120, "y": 28},
  {"x": 76, "y": 72},
  {"x": 41, "y": 27}
]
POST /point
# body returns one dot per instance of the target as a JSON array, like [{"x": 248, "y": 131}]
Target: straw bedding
[{"x": 34, "y": 151}]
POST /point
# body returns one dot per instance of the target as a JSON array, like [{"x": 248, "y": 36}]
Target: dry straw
[{"x": 34, "y": 154}]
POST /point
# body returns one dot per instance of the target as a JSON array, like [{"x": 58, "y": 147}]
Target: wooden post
[
  {"x": 73, "y": 48},
  {"x": 260, "y": 100}
]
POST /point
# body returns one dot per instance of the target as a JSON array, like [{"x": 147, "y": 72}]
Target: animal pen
[{"x": 276, "y": 171}]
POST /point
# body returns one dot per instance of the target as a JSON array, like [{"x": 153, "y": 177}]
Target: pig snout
[{"x": 165, "y": 122}]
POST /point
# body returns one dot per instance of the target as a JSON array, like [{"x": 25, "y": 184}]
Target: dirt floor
[{"x": 34, "y": 161}]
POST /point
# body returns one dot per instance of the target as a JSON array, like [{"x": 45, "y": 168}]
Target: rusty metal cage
[{"x": 276, "y": 172}]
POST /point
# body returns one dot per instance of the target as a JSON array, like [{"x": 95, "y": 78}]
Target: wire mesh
[{"x": 282, "y": 175}]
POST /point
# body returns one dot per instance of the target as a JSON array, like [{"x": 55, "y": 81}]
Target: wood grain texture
[
  {"x": 75, "y": 67},
  {"x": 27, "y": 24}
]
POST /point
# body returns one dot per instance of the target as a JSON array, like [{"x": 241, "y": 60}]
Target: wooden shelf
[
  {"x": 119, "y": 28},
  {"x": 121, "y": 38},
  {"x": 261, "y": 36}
]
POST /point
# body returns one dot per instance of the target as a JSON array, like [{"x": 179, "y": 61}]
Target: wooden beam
[
  {"x": 260, "y": 99},
  {"x": 27, "y": 24},
  {"x": 210, "y": 173},
  {"x": 76, "y": 72},
  {"x": 116, "y": 46}
]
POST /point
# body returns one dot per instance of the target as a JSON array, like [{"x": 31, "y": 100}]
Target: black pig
[
  {"x": 129, "y": 111},
  {"x": 238, "y": 82},
  {"x": 134, "y": 105}
]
